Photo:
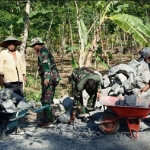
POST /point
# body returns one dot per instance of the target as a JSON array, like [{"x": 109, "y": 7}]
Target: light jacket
[{"x": 9, "y": 67}]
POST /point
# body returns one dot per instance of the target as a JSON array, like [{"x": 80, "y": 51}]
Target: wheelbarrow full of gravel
[
  {"x": 109, "y": 121},
  {"x": 10, "y": 120}
]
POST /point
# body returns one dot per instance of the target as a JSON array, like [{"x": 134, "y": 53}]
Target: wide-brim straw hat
[{"x": 16, "y": 41}]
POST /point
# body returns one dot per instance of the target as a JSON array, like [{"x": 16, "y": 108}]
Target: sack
[{"x": 130, "y": 100}]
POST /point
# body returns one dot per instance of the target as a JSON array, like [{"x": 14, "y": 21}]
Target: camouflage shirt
[
  {"x": 46, "y": 65},
  {"x": 80, "y": 76}
]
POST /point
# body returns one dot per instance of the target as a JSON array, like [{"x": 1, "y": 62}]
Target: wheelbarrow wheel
[{"x": 109, "y": 125}]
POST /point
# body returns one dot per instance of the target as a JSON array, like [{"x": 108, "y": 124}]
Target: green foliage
[
  {"x": 63, "y": 12},
  {"x": 102, "y": 61},
  {"x": 99, "y": 58},
  {"x": 32, "y": 95},
  {"x": 32, "y": 92},
  {"x": 73, "y": 61},
  {"x": 72, "y": 49},
  {"x": 133, "y": 26},
  {"x": 83, "y": 31},
  {"x": 33, "y": 82},
  {"x": 35, "y": 14},
  {"x": 109, "y": 54}
]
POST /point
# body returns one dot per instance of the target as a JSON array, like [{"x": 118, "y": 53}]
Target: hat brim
[
  {"x": 4, "y": 43},
  {"x": 35, "y": 44}
]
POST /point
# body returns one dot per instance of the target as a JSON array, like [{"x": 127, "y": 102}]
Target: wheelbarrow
[
  {"x": 109, "y": 121},
  {"x": 10, "y": 121}
]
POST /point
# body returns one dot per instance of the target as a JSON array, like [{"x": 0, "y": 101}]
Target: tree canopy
[{"x": 53, "y": 19}]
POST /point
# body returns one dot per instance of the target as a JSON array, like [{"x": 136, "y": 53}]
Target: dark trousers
[{"x": 17, "y": 87}]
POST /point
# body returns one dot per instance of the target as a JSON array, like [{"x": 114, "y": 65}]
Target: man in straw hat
[
  {"x": 50, "y": 78},
  {"x": 12, "y": 67}
]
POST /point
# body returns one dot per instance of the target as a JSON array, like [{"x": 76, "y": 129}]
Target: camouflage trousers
[
  {"x": 79, "y": 106},
  {"x": 47, "y": 98}
]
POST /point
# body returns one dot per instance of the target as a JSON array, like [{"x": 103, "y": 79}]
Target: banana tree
[
  {"x": 83, "y": 39},
  {"x": 130, "y": 24},
  {"x": 82, "y": 30}
]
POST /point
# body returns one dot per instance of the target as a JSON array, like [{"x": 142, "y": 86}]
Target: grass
[{"x": 33, "y": 89}]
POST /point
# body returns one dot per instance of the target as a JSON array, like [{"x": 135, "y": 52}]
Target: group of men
[
  {"x": 13, "y": 76},
  {"x": 13, "y": 72}
]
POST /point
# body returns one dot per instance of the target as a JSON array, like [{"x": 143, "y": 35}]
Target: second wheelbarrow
[
  {"x": 10, "y": 121},
  {"x": 109, "y": 122}
]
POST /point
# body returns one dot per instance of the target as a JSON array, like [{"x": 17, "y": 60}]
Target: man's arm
[
  {"x": 144, "y": 89},
  {"x": 46, "y": 67},
  {"x": 98, "y": 90},
  {"x": 1, "y": 70}
]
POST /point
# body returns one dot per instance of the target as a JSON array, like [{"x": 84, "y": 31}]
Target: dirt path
[{"x": 80, "y": 136}]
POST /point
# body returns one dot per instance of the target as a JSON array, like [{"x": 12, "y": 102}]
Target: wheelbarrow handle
[
  {"x": 40, "y": 108},
  {"x": 107, "y": 121},
  {"x": 17, "y": 116}
]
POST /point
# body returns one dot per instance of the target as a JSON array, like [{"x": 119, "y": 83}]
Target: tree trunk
[
  {"x": 93, "y": 46},
  {"x": 81, "y": 46},
  {"x": 25, "y": 36},
  {"x": 47, "y": 34},
  {"x": 26, "y": 26}
]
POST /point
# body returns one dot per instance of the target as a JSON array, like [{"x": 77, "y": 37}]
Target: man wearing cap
[
  {"x": 49, "y": 78},
  {"x": 89, "y": 80},
  {"x": 145, "y": 60},
  {"x": 12, "y": 67}
]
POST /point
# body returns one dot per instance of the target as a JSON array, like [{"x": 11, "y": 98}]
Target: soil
[{"x": 74, "y": 137}]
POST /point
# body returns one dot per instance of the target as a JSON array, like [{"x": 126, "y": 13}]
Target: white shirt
[{"x": 9, "y": 67}]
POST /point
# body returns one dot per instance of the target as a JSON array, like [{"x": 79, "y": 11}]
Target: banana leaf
[
  {"x": 133, "y": 26},
  {"x": 70, "y": 49},
  {"x": 73, "y": 62},
  {"x": 83, "y": 30}
]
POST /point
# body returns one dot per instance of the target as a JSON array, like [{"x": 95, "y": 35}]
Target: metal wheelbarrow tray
[
  {"x": 9, "y": 121},
  {"x": 109, "y": 121}
]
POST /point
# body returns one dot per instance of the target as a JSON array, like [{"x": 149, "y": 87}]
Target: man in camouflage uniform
[
  {"x": 84, "y": 79},
  {"x": 49, "y": 78}
]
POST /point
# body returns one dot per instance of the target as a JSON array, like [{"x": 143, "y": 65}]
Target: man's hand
[
  {"x": 98, "y": 95},
  {"x": 46, "y": 82},
  {"x": 2, "y": 81},
  {"x": 24, "y": 79},
  {"x": 144, "y": 89}
]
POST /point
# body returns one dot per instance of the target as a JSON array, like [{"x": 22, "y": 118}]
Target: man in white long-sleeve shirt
[{"x": 12, "y": 67}]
